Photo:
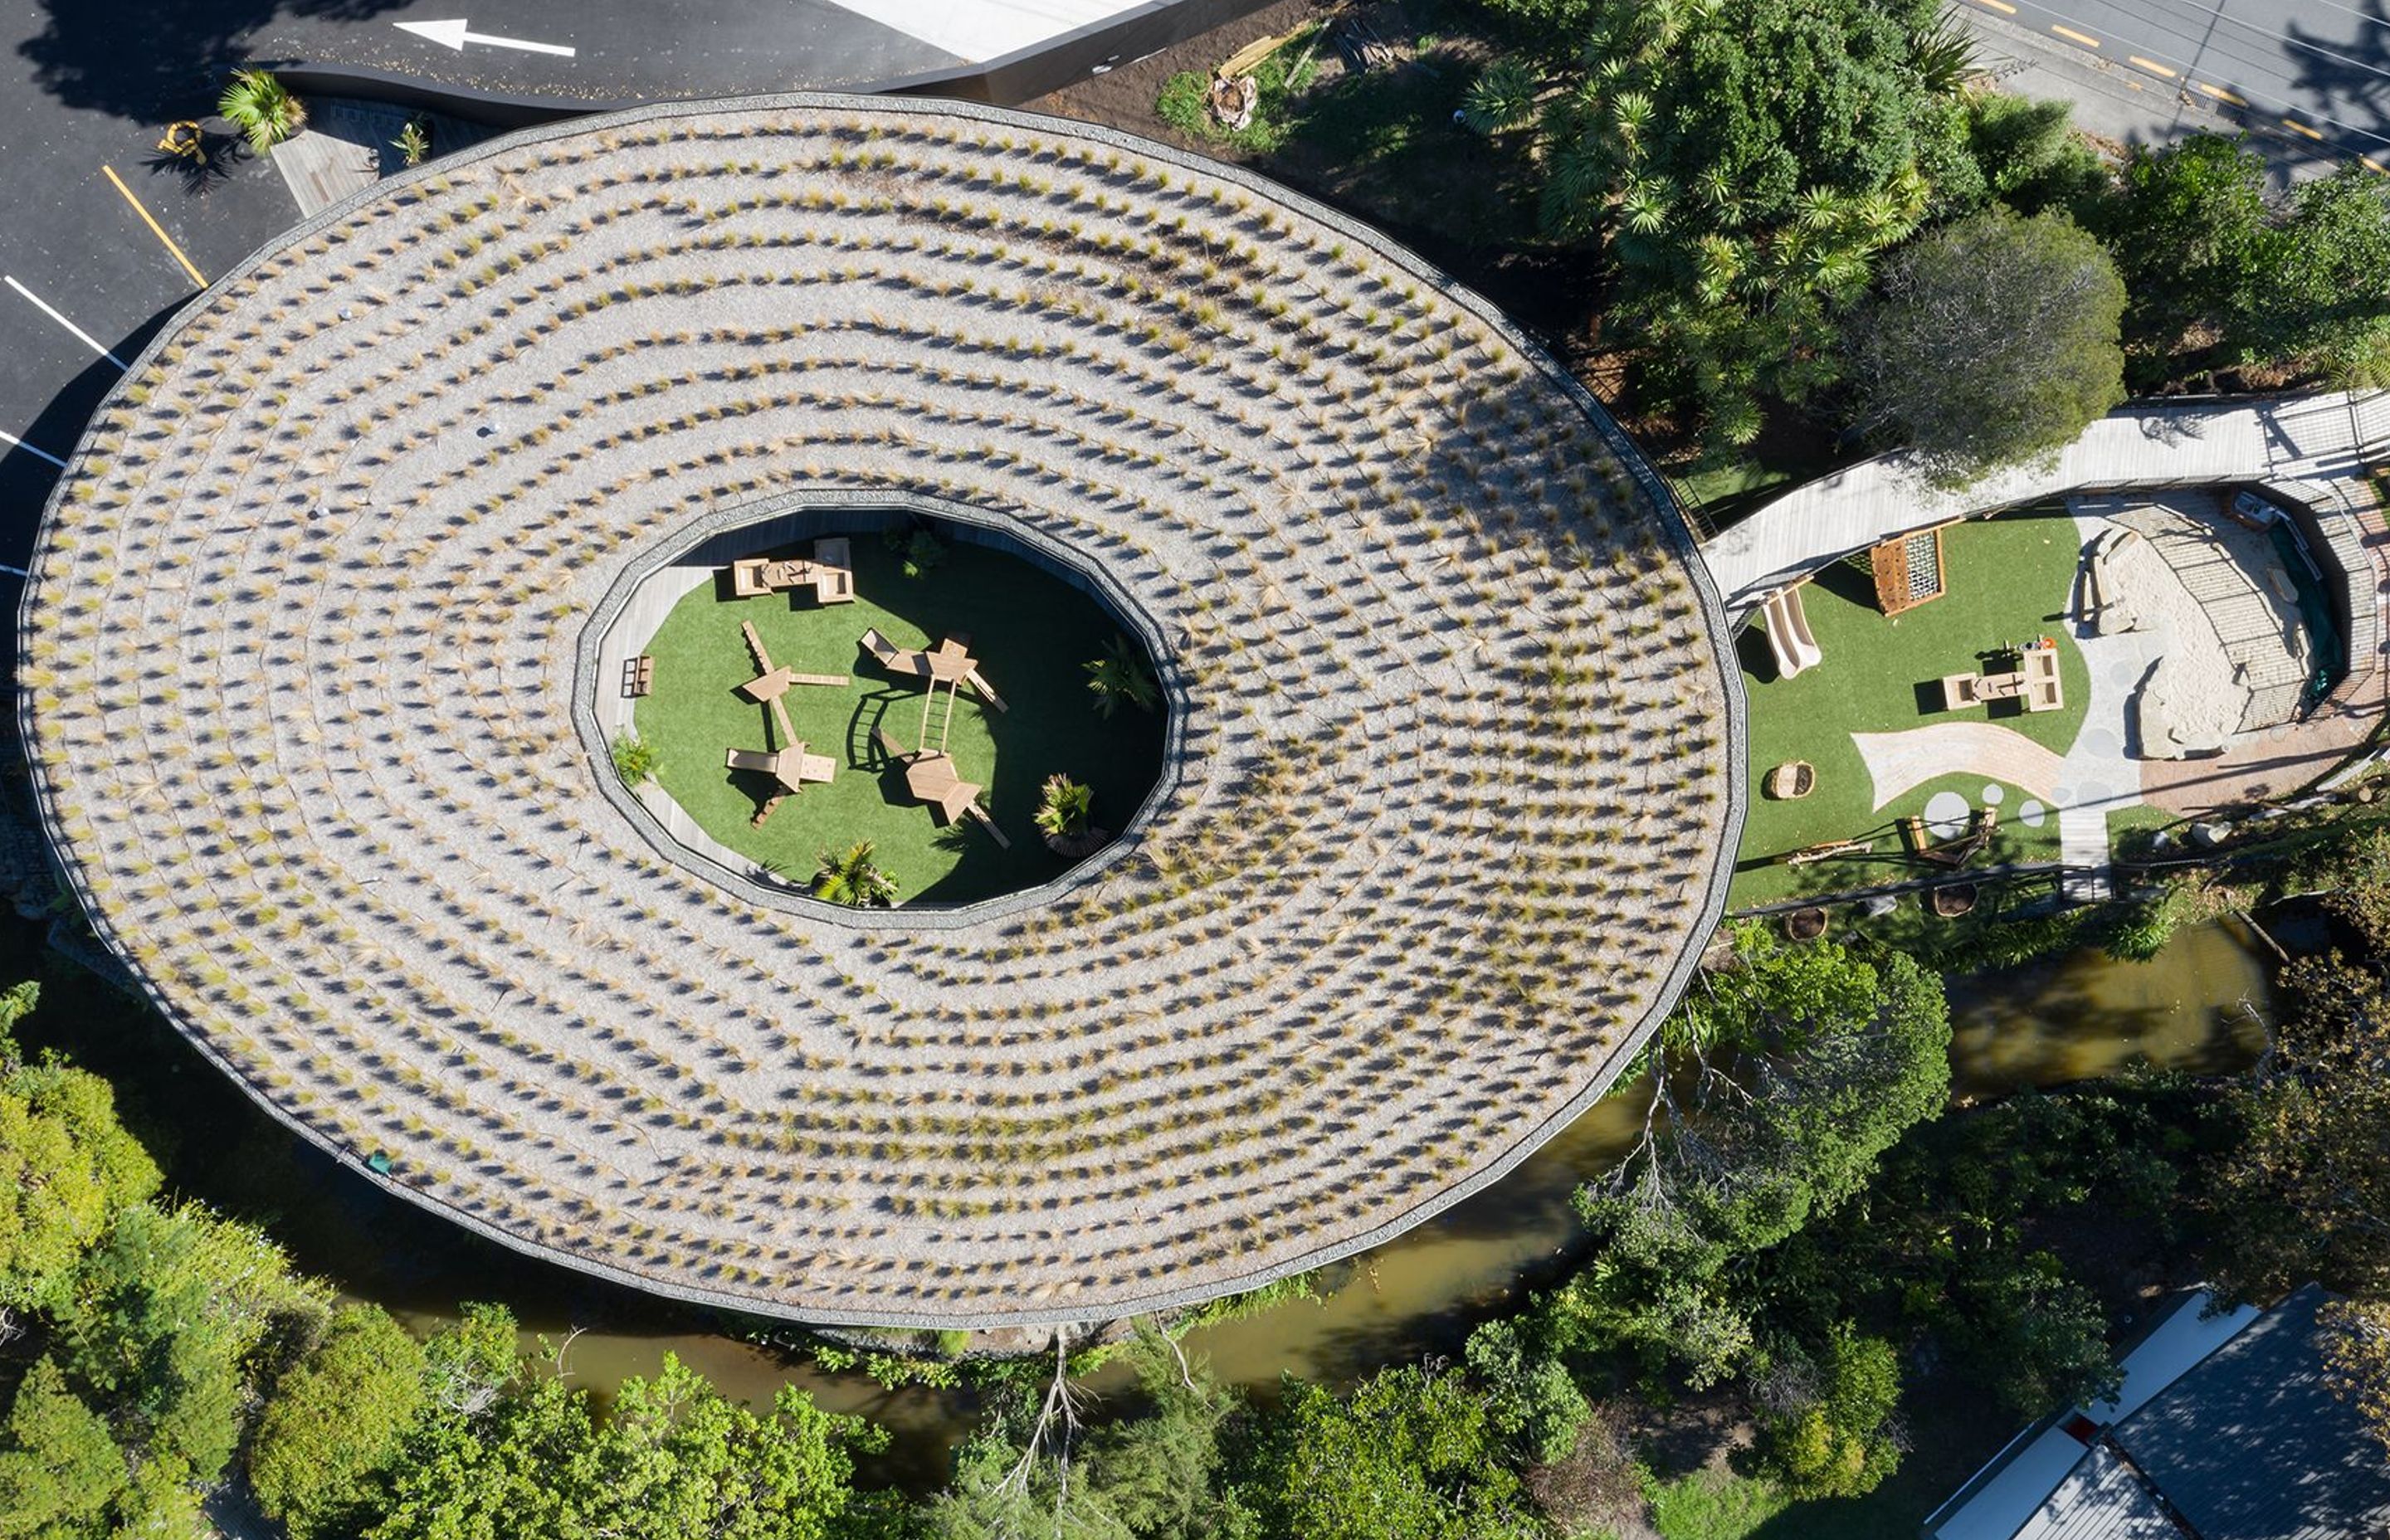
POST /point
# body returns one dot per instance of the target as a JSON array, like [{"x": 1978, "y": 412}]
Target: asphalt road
[{"x": 2309, "y": 74}]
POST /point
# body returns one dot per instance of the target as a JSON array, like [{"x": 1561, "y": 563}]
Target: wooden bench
[{"x": 638, "y": 675}]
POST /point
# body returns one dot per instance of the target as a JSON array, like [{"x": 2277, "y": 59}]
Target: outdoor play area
[
  {"x": 1951, "y": 711},
  {"x": 899, "y": 691}
]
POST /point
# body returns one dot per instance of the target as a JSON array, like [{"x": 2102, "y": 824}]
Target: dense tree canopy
[
  {"x": 2306, "y": 1195},
  {"x": 2357, "y": 1358},
  {"x": 160, "y": 1321},
  {"x": 675, "y": 1458},
  {"x": 1803, "y": 1066},
  {"x": 1990, "y": 340},
  {"x": 336, "y": 1422},
  {"x": 1411, "y": 1452},
  {"x": 1152, "y": 1477},
  {"x": 1748, "y": 158},
  {"x": 66, "y": 1166},
  {"x": 60, "y": 1471},
  {"x": 2221, "y": 274}
]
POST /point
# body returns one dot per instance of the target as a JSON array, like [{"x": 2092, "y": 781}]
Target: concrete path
[
  {"x": 1899, "y": 763},
  {"x": 2313, "y": 437},
  {"x": 2100, "y": 775}
]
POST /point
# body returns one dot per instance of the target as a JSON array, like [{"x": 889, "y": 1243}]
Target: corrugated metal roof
[
  {"x": 2099, "y": 1499},
  {"x": 2251, "y": 1445}
]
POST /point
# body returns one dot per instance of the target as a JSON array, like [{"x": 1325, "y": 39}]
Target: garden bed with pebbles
[{"x": 1453, "y": 780}]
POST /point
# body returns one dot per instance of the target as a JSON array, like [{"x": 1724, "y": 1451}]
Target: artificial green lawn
[
  {"x": 1034, "y": 635},
  {"x": 2008, "y": 581}
]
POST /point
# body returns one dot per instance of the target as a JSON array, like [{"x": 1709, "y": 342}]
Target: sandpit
[{"x": 1450, "y": 784}]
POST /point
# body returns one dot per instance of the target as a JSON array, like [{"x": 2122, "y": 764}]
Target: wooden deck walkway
[
  {"x": 346, "y": 148},
  {"x": 2297, "y": 438}
]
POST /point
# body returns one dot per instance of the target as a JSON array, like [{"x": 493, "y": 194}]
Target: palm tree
[
  {"x": 1064, "y": 807},
  {"x": 1502, "y": 96},
  {"x": 850, "y": 877},
  {"x": 1120, "y": 674},
  {"x": 262, "y": 107}
]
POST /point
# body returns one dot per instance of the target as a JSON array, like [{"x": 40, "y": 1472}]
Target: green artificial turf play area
[
  {"x": 2008, "y": 580},
  {"x": 1033, "y": 634}
]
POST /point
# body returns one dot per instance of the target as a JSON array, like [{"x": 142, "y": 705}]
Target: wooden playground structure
[
  {"x": 790, "y": 765},
  {"x": 930, "y": 776}
]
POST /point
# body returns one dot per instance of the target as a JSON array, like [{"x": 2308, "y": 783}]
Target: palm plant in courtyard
[
  {"x": 852, "y": 878},
  {"x": 262, "y": 107},
  {"x": 635, "y": 759},
  {"x": 1066, "y": 817},
  {"x": 1121, "y": 676},
  {"x": 1063, "y": 805}
]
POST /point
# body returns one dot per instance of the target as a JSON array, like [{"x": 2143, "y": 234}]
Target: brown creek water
[{"x": 2199, "y": 1006}]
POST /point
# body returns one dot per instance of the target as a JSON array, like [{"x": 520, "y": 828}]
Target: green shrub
[
  {"x": 635, "y": 759},
  {"x": 919, "y": 549},
  {"x": 335, "y": 1422},
  {"x": 1064, "y": 807},
  {"x": 413, "y": 144},
  {"x": 1184, "y": 102},
  {"x": 1830, "y": 1435},
  {"x": 1120, "y": 675}
]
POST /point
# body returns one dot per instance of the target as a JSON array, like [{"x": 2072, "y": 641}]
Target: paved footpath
[{"x": 2292, "y": 437}]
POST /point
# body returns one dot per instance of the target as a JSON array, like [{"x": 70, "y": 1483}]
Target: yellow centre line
[
  {"x": 2000, "y": 6},
  {"x": 2297, "y": 127},
  {"x": 2071, "y": 35},
  {"x": 2153, "y": 66},
  {"x": 2221, "y": 95},
  {"x": 155, "y": 228},
  {"x": 2371, "y": 164}
]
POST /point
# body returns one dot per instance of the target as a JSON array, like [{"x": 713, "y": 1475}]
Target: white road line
[
  {"x": 28, "y": 449},
  {"x": 89, "y": 341}
]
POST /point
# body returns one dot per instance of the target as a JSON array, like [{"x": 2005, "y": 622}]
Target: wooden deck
[{"x": 346, "y": 148}]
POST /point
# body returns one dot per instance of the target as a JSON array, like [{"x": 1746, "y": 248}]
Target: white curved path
[{"x": 2292, "y": 438}]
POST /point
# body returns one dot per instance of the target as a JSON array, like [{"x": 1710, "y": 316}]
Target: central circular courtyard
[
  {"x": 393, "y": 546},
  {"x": 815, "y": 645}
]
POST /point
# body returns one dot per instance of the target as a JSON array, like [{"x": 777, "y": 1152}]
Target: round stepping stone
[
  {"x": 1946, "y": 814},
  {"x": 2030, "y": 811},
  {"x": 1994, "y": 795}
]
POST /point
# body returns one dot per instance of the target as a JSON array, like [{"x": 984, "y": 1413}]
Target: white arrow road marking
[
  {"x": 452, "y": 34},
  {"x": 89, "y": 341}
]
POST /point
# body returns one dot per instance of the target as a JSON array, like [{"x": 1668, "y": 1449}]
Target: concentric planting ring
[{"x": 1450, "y": 796}]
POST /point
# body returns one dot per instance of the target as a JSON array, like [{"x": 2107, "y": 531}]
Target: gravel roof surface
[{"x": 1455, "y": 783}]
